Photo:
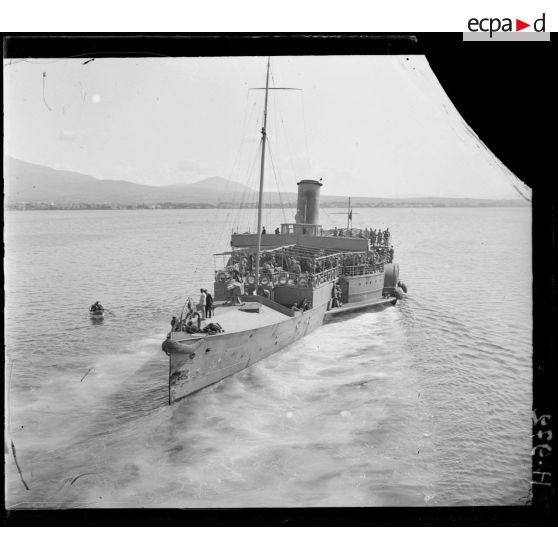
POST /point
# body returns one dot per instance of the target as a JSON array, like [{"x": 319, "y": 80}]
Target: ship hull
[
  {"x": 367, "y": 287},
  {"x": 204, "y": 361},
  {"x": 351, "y": 308},
  {"x": 196, "y": 362}
]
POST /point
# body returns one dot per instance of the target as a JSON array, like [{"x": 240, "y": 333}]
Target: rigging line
[
  {"x": 248, "y": 181},
  {"x": 274, "y": 112},
  {"x": 249, "y": 193},
  {"x": 252, "y": 216},
  {"x": 244, "y": 179},
  {"x": 225, "y": 228},
  {"x": 286, "y": 141},
  {"x": 276, "y": 135},
  {"x": 243, "y": 204},
  {"x": 331, "y": 221},
  {"x": 305, "y": 128},
  {"x": 242, "y": 136},
  {"x": 246, "y": 192},
  {"x": 245, "y": 212},
  {"x": 277, "y": 183},
  {"x": 241, "y": 146},
  {"x": 277, "y": 114},
  {"x": 257, "y": 213},
  {"x": 276, "y": 173},
  {"x": 286, "y": 138},
  {"x": 237, "y": 190},
  {"x": 258, "y": 120}
]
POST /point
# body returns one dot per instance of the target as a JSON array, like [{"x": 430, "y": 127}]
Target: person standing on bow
[
  {"x": 208, "y": 304},
  {"x": 201, "y": 304}
]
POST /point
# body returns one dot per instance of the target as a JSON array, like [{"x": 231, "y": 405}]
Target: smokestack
[{"x": 308, "y": 202}]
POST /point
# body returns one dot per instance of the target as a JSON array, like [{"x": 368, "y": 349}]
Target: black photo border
[{"x": 503, "y": 90}]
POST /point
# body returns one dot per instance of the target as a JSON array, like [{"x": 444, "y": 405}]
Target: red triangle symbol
[{"x": 519, "y": 25}]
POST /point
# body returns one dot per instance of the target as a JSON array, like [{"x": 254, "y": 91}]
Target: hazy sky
[{"x": 367, "y": 125}]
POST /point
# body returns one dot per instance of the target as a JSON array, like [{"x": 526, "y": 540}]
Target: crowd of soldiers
[
  {"x": 242, "y": 264},
  {"x": 376, "y": 237}
]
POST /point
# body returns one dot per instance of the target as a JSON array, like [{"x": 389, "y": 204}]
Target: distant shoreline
[
  {"x": 456, "y": 203},
  {"x": 36, "y": 187}
]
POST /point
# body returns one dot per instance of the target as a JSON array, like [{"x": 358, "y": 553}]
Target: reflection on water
[{"x": 425, "y": 403}]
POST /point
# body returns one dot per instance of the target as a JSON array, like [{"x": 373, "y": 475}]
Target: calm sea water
[{"x": 425, "y": 403}]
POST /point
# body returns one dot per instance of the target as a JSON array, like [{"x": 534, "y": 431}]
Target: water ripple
[{"x": 425, "y": 403}]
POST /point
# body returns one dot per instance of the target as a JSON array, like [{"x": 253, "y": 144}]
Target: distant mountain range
[
  {"x": 27, "y": 185},
  {"x": 27, "y": 182}
]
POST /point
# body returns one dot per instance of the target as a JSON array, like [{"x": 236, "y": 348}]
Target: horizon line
[{"x": 294, "y": 192}]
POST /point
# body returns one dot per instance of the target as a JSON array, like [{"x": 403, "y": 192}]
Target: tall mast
[
  {"x": 259, "y": 243},
  {"x": 349, "y": 216}
]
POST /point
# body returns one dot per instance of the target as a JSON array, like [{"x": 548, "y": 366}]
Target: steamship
[{"x": 274, "y": 289}]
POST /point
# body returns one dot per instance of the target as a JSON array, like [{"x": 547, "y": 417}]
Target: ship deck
[{"x": 232, "y": 319}]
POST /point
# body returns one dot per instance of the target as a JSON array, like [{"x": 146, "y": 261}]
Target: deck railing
[
  {"x": 284, "y": 278},
  {"x": 302, "y": 279},
  {"x": 362, "y": 269}
]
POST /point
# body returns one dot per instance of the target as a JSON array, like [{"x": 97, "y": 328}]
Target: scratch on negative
[
  {"x": 82, "y": 475},
  {"x": 44, "y": 100},
  {"x": 18, "y": 467},
  {"x": 90, "y": 370}
]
